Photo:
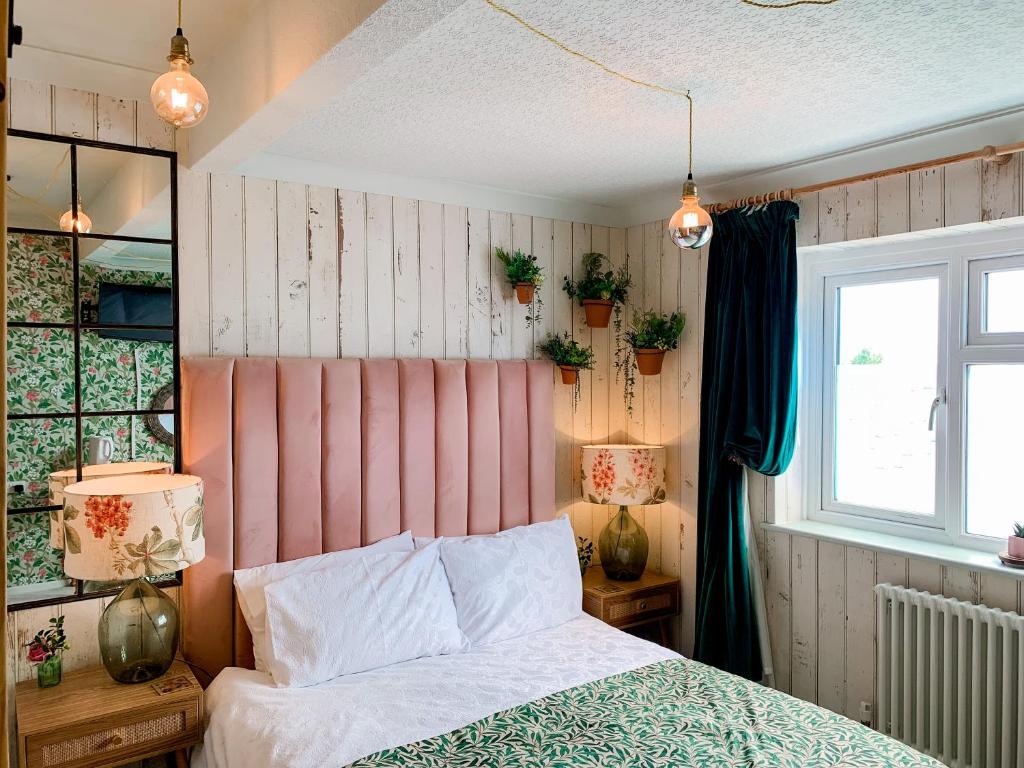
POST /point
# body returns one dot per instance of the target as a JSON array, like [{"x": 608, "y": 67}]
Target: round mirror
[{"x": 161, "y": 425}]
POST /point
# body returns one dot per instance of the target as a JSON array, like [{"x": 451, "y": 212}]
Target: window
[{"x": 912, "y": 382}]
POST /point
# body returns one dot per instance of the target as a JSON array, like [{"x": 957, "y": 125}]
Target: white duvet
[{"x": 253, "y": 724}]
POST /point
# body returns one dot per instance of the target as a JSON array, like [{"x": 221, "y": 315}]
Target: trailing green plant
[
  {"x": 523, "y": 268},
  {"x": 655, "y": 330},
  {"x": 566, "y": 351},
  {"x": 599, "y": 283},
  {"x": 1018, "y": 530},
  {"x": 649, "y": 330}
]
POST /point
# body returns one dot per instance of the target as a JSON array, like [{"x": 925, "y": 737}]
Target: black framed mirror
[{"x": 93, "y": 355}]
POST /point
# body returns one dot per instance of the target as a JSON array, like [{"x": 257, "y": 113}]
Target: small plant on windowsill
[
  {"x": 524, "y": 274},
  {"x": 571, "y": 357},
  {"x": 599, "y": 291},
  {"x": 1015, "y": 543},
  {"x": 45, "y": 650}
]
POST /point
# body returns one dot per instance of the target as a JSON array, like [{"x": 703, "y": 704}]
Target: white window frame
[{"x": 960, "y": 257}]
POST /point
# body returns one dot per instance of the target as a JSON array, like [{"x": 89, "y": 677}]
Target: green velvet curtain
[{"x": 747, "y": 414}]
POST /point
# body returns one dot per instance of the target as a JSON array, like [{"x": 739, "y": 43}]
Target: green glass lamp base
[
  {"x": 138, "y": 633},
  {"x": 623, "y": 546}
]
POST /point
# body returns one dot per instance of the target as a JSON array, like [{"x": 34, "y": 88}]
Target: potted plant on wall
[
  {"x": 651, "y": 335},
  {"x": 1015, "y": 543},
  {"x": 599, "y": 290},
  {"x": 524, "y": 274},
  {"x": 570, "y": 357}
]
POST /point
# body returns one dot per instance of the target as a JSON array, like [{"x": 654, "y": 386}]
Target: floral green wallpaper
[{"x": 116, "y": 375}]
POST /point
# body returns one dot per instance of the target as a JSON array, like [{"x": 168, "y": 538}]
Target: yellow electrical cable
[
  {"x": 789, "y": 4},
  {"x": 600, "y": 65}
]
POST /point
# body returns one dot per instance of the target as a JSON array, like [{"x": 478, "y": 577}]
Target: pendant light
[
  {"x": 81, "y": 224},
  {"x": 690, "y": 226},
  {"x": 177, "y": 96}
]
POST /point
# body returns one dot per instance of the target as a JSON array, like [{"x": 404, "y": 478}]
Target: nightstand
[
  {"x": 652, "y": 598},
  {"x": 90, "y": 721}
]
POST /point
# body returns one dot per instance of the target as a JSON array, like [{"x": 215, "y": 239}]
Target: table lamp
[
  {"x": 63, "y": 478},
  {"x": 623, "y": 475},
  {"x": 133, "y": 527}
]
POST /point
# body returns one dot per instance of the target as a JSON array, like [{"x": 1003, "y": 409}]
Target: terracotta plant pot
[
  {"x": 598, "y": 311},
  {"x": 1015, "y": 547},
  {"x": 524, "y": 292},
  {"x": 569, "y": 374},
  {"x": 648, "y": 361}
]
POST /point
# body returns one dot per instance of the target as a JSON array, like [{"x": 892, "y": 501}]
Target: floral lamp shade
[
  {"x": 65, "y": 477},
  {"x": 624, "y": 475},
  {"x": 128, "y": 526}
]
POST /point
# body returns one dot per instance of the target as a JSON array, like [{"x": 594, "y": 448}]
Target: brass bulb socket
[{"x": 179, "y": 48}]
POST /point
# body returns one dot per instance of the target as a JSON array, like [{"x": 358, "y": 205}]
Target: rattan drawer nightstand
[
  {"x": 652, "y": 598},
  {"x": 90, "y": 721}
]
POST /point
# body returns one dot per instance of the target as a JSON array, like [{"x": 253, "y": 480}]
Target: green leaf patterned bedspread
[{"x": 673, "y": 713}]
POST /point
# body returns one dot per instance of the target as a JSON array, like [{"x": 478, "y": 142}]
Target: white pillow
[
  {"x": 515, "y": 582},
  {"x": 381, "y": 610},
  {"x": 251, "y": 582}
]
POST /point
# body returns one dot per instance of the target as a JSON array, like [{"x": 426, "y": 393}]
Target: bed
[{"x": 301, "y": 457}]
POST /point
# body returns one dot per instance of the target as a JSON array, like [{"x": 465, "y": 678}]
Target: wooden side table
[
  {"x": 652, "y": 598},
  {"x": 90, "y": 721}
]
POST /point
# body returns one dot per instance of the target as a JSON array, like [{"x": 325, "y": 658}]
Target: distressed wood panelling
[{"x": 819, "y": 595}]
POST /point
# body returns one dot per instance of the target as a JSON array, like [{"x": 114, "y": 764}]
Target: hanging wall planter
[
  {"x": 598, "y": 312},
  {"x": 570, "y": 374},
  {"x": 649, "y": 361},
  {"x": 599, "y": 291},
  {"x": 524, "y": 274},
  {"x": 525, "y": 292},
  {"x": 649, "y": 337},
  {"x": 570, "y": 357}
]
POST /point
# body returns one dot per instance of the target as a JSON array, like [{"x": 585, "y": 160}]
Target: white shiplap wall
[
  {"x": 819, "y": 594},
  {"x": 273, "y": 268},
  {"x": 277, "y": 268}
]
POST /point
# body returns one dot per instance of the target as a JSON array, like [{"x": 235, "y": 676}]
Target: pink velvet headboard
[{"x": 302, "y": 456}]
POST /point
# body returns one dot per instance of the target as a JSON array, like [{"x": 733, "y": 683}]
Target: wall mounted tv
[{"x": 136, "y": 305}]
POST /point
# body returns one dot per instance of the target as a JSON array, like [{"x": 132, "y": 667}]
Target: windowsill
[{"x": 945, "y": 554}]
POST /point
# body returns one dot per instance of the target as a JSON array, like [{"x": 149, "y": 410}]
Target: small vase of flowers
[
  {"x": 45, "y": 651},
  {"x": 652, "y": 335},
  {"x": 524, "y": 274},
  {"x": 1015, "y": 543},
  {"x": 585, "y": 551}
]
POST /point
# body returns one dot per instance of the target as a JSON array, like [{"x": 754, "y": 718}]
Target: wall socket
[{"x": 865, "y": 713}]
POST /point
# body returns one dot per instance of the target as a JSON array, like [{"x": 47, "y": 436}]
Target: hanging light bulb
[
  {"x": 177, "y": 96},
  {"x": 81, "y": 224},
  {"x": 690, "y": 226}
]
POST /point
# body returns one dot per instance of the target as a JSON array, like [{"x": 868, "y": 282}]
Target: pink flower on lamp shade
[
  {"x": 602, "y": 474},
  {"x": 107, "y": 513},
  {"x": 641, "y": 461}
]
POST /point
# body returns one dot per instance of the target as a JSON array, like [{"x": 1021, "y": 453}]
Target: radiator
[{"x": 949, "y": 678}]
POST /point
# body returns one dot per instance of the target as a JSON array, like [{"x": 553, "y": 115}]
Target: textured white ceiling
[
  {"x": 476, "y": 99},
  {"x": 129, "y": 33}
]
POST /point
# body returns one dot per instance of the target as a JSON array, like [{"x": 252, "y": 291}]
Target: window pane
[
  {"x": 1004, "y": 310},
  {"x": 995, "y": 422},
  {"x": 885, "y": 374}
]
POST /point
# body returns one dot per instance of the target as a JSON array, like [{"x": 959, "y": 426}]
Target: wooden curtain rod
[{"x": 990, "y": 154}]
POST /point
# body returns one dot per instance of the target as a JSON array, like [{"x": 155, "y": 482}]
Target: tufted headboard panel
[{"x": 305, "y": 456}]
